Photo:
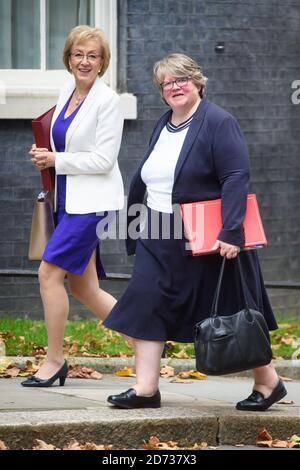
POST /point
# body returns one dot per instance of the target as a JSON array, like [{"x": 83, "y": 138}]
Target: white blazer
[{"x": 93, "y": 140}]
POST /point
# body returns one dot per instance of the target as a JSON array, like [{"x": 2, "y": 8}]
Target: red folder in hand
[
  {"x": 203, "y": 223},
  {"x": 41, "y": 131}
]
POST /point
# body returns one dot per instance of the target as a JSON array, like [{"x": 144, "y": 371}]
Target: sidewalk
[{"x": 195, "y": 412}]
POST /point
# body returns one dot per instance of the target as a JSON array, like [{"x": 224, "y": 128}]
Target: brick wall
[{"x": 252, "y": 79}]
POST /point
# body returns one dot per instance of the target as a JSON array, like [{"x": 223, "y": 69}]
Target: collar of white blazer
[{"x": 99, "y": 95}]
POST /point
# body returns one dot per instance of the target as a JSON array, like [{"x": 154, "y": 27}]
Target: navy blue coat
[
  {"x": 169, "y": 293},
  {"x": 213, "y": 163}
]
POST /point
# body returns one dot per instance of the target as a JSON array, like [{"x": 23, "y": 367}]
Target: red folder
[
  {"x": 203, "y": 222},
  {"x": 41, "y": 131}
]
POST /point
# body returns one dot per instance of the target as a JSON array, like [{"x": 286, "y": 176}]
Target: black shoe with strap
[
  {"x": 130, "y": 399},
  {"x": 61, "y": 374},
  {"x": 257, "y": 402}
]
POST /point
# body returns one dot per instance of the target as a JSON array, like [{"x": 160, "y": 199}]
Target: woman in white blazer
[{"x": 86, "y": 134}]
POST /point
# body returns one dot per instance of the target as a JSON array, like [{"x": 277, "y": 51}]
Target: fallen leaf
[
  {"x": 180, "y": 381},
  {"x": 285, "y": 379},
  {"x": 31, "y": 368},
  {"x": 167, "y": 446},
  {"x": 151, "y": 444},
  {"x": 6, "y": 335},
  {"x": 81, "y": 372},
  {"x": 96, "y": 375},
  {"x": 39, "y": 351},
  {"x": 4, "y": 364},
  {"x": 155, "y": 444},
  {"x": 3, "y": 446},
  {"x": 12, "y": 372},
  {"x": 181, "y": 354},
  {"x": 197, "y": 375},
  {"x": 125, "y": 372},
  {"x": 201, "y": 446},
  {"x": 279, "y": 444},
  {"x": 264, "y": 436},
  {"x": 291, "y": 445},
  {"x": 183, "y": 375},
  {"x": 265, "y": 440},
  {"x": 287, "y": 339},
  {"x": 88, "y": 354},
  {"x": 296, "y": 354},
  {"x": 192, "y": 374},
  {"x": 41, "y": 445},
  {"x": 73, "y": 350},
  {"x": 171, "y": 344},
  {"x": 167, "y": 371},
  {"x": 92, "y": 446},
  {"x": 264, "y": 443},
  {"x": 67, "y": 339},
  {"x": 285, "y": 326},
  {"x": 75, "y": 445}
]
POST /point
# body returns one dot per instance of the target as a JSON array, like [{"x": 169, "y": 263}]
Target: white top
[{"x": 158, "y": 170}]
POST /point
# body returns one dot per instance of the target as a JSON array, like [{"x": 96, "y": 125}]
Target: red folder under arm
[
  {"x": 203, "y": 222},
  {"x": 41, "y": 131}
]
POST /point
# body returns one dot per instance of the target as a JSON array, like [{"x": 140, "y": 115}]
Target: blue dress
[{"x": 75, "y": 238}]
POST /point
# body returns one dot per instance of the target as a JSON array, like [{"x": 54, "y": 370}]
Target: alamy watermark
[
  {"x": 295, "y": 97},
  {"x": 145, "y": 223}
]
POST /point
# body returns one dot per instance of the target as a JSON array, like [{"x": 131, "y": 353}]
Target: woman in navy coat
[{"x": 197, "y": 152}]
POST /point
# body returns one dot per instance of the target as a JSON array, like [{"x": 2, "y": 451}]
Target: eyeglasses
[
  {"x": 182, "y": 81},
  {"x": 78, "y": 57}
]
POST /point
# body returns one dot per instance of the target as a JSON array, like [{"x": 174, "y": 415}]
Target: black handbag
[{"x": 225, "y": 344}]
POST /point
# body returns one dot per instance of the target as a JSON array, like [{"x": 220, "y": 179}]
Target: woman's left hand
[
  {"x": 42, "y": 159},
  {"x": 230, "y": 251}
]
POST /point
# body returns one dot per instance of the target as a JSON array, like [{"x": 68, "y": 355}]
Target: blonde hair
[
  {"x": 83, "y": 33},
  {"x": 179, "y": 65}
]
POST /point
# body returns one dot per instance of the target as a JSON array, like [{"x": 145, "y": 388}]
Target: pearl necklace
[{"x": 78, "y": 100}]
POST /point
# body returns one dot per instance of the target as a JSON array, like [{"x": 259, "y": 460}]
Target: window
[
  {"x": 33, "y": 32},
  {"x": 19, "y": 34},
  {"x": 60, "y": 18},
  {"x": 32, "y": 37}
]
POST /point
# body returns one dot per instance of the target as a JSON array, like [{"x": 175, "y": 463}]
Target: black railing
[
  {"x": 34, "y": 273},
  {"x": 126, "y": 277}
]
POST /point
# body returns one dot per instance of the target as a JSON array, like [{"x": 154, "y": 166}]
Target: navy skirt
[{"x": 170, "y": 292}]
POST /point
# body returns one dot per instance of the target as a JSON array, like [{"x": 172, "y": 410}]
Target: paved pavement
[{"x": 191, "y": 412}]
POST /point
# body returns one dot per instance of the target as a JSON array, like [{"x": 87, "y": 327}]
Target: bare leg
[
  {"x": 56, "y": 308},
  {"x": 86, "y": 289},
  {"x": 147, "y": 366},
  {"x": 265, "y": 379}
]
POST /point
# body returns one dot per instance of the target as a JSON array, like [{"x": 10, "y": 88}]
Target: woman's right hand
[
  {"x": 33, "y": 152},
  {"x": 226, "y": 249}
]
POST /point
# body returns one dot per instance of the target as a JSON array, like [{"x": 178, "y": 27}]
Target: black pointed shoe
[
  {"x": 61, "y": 374},
  {"x": 130, "y": 399},
  {"x": 257, "y": 402}
]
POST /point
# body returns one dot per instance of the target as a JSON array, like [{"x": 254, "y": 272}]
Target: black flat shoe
[
  {"x": 61, "y": 374},
  {"x": 130, "y": 399},
  {"x": 257, "y": 402}
]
